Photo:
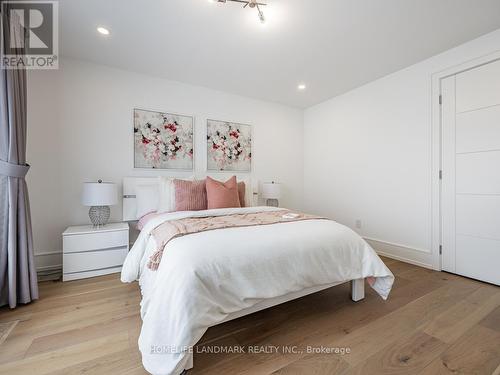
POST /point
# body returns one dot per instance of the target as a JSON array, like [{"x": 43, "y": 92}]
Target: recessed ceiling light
[
  {"x": 302, "y": 86},
  {"x": 103, "y": 30}
]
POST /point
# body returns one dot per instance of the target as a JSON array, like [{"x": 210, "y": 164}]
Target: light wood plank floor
[{"x": 433, "y": 323}]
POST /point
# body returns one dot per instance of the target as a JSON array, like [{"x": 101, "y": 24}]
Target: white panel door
[{"x": 470, "y": 189}]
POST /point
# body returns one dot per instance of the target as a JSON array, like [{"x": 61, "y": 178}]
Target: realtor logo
[{"x": 29, "y": 34}]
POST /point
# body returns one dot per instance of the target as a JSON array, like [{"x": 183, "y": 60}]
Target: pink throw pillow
[
  {"x": 145, "y": 219},
  {"x": 222, "y": 194},
  {"x": 241, "y": 193},
  {"x": 190, "y": 195}
]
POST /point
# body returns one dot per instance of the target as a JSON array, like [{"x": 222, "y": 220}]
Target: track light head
[
  {"x": 248, "y": 3},
  {"x": 261, "y": 15}
]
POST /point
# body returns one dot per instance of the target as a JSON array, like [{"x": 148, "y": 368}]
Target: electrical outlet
[{"x": 358, "y": 224}]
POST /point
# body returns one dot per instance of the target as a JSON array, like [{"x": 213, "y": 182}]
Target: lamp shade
[
  {"x": 99, "y": 194},
  {"x": 271, "y": 190}
]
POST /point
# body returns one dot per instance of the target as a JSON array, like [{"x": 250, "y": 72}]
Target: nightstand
[{"x": 89, "y": 251}]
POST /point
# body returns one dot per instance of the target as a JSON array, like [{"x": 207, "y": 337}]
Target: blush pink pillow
[
  {"x": 222, "y": 194},
  {"x": 190, "y": 195},
  {"x": 241, "y": 193},
  {"x": 145, "y": 219}
]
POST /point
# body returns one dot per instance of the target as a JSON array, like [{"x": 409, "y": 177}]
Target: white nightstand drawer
[
  {"x": 94, "y": 241},
  {"x": 94, "y": 260}
]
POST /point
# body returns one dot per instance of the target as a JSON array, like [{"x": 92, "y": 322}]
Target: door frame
[{"x": 436, "y": 148}]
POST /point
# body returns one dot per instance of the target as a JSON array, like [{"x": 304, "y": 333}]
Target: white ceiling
[{"x": 331, "y": 45}]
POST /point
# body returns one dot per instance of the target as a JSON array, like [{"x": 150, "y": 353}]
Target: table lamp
[
  {"x": 271, "y": 192},
  {"x": 99, "y": 196}
]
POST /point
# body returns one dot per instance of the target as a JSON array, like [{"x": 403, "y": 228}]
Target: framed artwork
[
  {"x": 162, "y": 140},
  {"x": 229, "y": 146}
]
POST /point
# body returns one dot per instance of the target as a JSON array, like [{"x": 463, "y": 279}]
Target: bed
[{"x": 211, "y": 277}]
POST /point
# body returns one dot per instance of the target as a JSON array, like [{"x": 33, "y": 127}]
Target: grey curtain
[{"x": 18, "y": 280}]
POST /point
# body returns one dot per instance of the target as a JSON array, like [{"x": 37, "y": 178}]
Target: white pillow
[
  {"x": 147, "y": 199},
  {"x": 166, "y": 191}
]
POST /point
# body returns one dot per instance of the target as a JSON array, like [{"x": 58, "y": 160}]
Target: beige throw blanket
[{"x": 171, "y": 229}]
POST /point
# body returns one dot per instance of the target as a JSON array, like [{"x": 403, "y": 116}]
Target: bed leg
[
  {"x": 189, "y": 363},
  {"x": 357, "y": 289}
]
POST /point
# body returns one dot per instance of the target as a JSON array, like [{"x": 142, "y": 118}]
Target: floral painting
[
  {"x": 229, "y": 146},
  {"x": 162, "y": 140}
]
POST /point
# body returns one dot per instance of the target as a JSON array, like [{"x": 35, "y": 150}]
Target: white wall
[
  {"x": 367, "y": 154},
  {"x": 364, "y": 155},
  {"x": 80, "y": 129}
]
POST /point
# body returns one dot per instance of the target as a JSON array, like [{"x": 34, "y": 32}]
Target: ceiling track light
[{"x": 251, "y": 4}]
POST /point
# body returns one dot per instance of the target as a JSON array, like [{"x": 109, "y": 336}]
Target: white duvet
[{"x": 204, "y": 277}]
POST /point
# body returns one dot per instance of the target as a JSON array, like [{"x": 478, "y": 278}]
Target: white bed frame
[{"x": 130, "y": 214}]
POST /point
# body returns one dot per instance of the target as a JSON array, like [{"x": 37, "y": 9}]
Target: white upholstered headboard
[
  {"x": 130, "y": 183},
  {"x": 129, "y": 197}
]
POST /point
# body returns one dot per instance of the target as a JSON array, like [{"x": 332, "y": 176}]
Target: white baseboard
[
  {"x": 418, "y": 257},
  {"x": 49, "y": 260},
  {"x": 54, "y": 267}
]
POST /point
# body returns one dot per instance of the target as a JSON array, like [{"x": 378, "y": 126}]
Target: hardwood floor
[{"x": 432, "y": 323}]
